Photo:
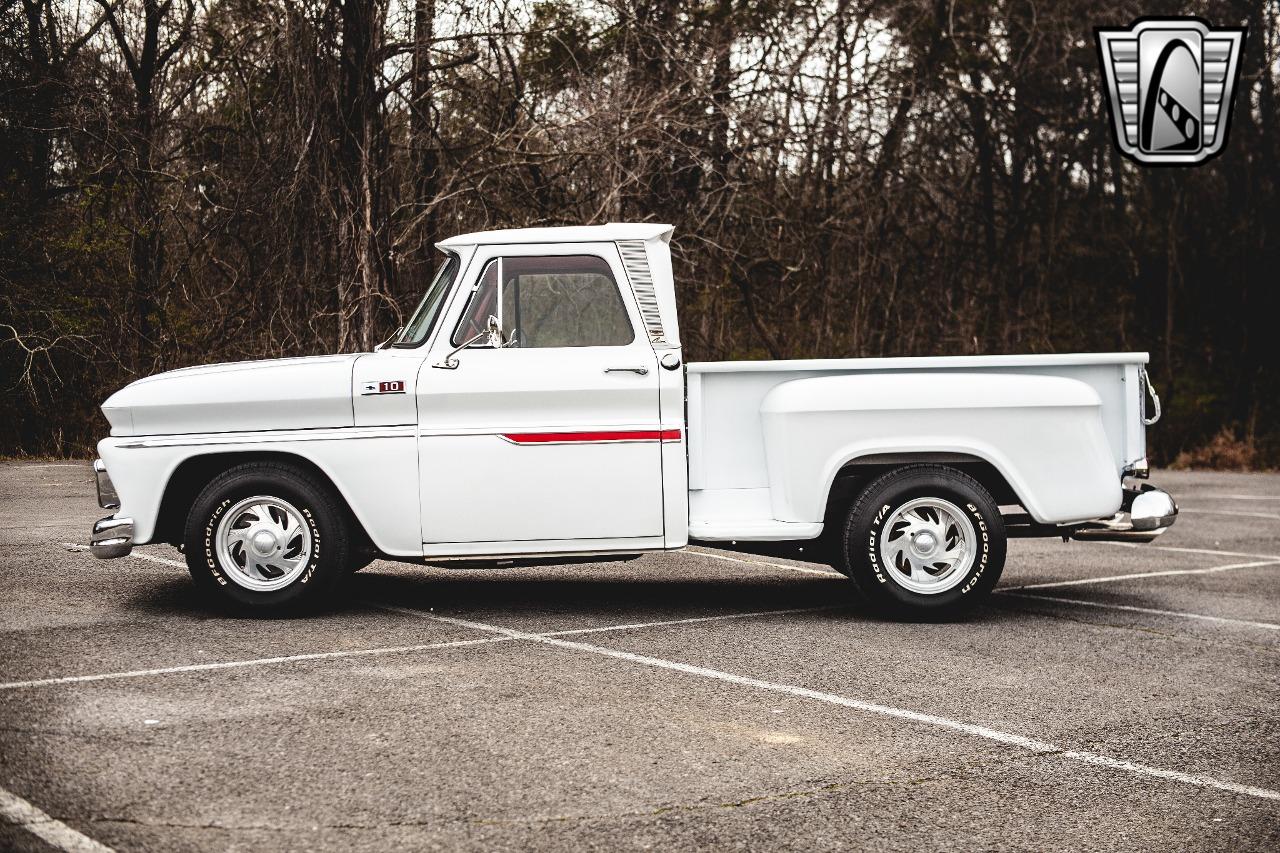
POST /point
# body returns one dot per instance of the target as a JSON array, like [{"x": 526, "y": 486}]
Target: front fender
[
  {"x": 1044, "y": 434},
  {"x": 372, "y": 468}
]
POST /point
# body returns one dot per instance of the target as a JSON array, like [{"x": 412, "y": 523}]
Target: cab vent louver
[{"x": 637, "y": 265}]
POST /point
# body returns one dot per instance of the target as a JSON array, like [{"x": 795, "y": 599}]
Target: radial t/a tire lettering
[{"x": 924, "y": 541}]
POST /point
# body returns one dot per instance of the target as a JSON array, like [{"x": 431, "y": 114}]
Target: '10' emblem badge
[{"x": 394, "y": 386}]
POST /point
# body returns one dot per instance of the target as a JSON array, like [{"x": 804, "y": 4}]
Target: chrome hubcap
[
  {"x": 263, "y": 543},
  {"x": 928, "y": 545}
]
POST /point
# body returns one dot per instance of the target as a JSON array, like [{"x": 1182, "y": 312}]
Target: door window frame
[
  {"x": 460, "y": 335},
  {"x": 469, "y": 281}
]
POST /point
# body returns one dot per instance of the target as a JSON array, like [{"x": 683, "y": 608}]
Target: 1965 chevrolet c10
[{"x": 536, "y": 407}]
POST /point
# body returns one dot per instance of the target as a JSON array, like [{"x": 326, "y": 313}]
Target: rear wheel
[
  {"x": 267, "y": 538},
  {"x": 924, "y": 540}
]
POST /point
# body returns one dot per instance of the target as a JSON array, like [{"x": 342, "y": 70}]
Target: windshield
[{"x": 424, "y": 319}]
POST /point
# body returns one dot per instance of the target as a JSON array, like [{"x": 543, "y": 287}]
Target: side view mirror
[
  {"x": 493, "y": 328},
  {"x": 492, "y": 337}
]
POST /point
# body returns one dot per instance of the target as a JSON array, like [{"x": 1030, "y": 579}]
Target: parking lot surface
[{"x": 1109, "y": 697}]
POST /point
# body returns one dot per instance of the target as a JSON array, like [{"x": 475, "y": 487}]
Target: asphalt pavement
[{"x": 1109, "y": 697}]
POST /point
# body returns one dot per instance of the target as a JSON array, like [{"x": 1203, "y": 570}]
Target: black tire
[
  {"x": 322, "y": 511},
  {"x": 882, "y": 585}
]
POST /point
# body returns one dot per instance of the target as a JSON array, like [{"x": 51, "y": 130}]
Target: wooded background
[{"x": 190, "y": 181}]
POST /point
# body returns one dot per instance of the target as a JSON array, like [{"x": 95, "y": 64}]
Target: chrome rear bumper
[
  {"x": 1144, "y": 514},
  {"x": 111, "y": 537}
]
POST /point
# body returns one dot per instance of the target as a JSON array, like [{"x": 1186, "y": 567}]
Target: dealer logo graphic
[{"x": 1170, "y": 83}]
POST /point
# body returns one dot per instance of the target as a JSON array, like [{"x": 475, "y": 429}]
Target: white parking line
[
  {"x": 1010, "y": 590},
  {"x": 1244, "y": 497},
  {"x": 82, "y": 465},
  {"x": 1231, "y": 512},
  {"x": 1037, "y": 746},
  {"x": 1181, "y": 614},
  {"x": 387, "y": 650},
  {"x": 1134, "y": 575},
  {"x": 800, "y": 569},
  {"x": 19, "y": 812},
  {"x": 236, "y": 664},
  {"x": 136, "y": 555},
  {"x": 1192, "y": 550},
  {"x": 409, "y": 611}
]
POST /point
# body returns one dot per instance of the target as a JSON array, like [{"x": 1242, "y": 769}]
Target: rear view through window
[{"x": 569, "y": 301}]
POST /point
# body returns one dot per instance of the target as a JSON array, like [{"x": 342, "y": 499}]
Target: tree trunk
[{"x": 361, "y": 157}]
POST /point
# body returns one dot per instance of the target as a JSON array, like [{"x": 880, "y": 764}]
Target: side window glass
[
  {"x": 567, "y": 301},
  {"x": 483, "y": 303}
]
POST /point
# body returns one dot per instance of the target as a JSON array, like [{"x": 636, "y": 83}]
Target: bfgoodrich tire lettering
[
  {"x": 298, "y": 502},
  {"x": 961, "y": 536}
]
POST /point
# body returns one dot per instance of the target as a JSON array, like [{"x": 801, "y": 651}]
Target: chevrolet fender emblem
[{"x": 394, "y": 386}]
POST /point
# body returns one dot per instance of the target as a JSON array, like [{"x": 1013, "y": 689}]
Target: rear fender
[{"x": 1043, "y": 434}]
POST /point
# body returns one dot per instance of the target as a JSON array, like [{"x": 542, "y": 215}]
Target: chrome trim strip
[
  {"x": 268, "y": 436},
  {"x": 636, "y": 263},
  {"x": 107, "y": 497}
]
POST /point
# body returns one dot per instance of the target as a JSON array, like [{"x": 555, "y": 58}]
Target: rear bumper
[
  {"x": 1144, "y": 514},
  {"x": 111, "y": 537}
]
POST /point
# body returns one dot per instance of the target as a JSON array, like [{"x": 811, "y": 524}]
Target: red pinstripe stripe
[{"x": 593, "y": 437}]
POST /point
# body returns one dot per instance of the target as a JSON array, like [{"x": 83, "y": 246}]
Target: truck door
[{"x": 551, "y": 442}]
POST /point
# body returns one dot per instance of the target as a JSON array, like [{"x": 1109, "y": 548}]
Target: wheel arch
[
  {"x": 853, "y": 475},
  {"x": 195, "y": 472}
]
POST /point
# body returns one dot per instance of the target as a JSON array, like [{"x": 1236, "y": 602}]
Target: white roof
[{"x": 566, "y": 234}]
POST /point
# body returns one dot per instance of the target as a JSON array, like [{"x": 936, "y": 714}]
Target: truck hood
[{"x": 282, "y": 393}]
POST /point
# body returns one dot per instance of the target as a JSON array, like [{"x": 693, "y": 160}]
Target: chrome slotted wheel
[
  {"x": 927, "y": 545},
  {"x": 263, "y": 543}
]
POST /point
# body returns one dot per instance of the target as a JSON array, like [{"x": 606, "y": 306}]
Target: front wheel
[
  {"x": 267, "y": 538},
  {"x": 924, "y": 540}
]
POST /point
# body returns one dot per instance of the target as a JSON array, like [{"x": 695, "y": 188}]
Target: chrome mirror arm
[{"x": 451, "y": 361}]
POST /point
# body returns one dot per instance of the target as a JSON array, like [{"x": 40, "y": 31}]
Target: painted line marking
[
  {"x": 19, "y": 812},
  {"x": 1136, "y": 575},
  {"x": 87, "y": 466},
  {"x": 151, "y": 558},
  {"x": 1191, "y": 550},
  {"x": 1009, "y": 591},
  {"x": 387, "y": 650},
  {"x": 355, "y": 653},
  {"x": 1037, "y": 746},
  {"x": 802, "y": 569},
  {"x": 1244, "y": 497},
  {"x": 409, "y": 611},
  {"x": 1235, "y": 513},
  {"x": 1181, "y": 614},
  {"x": 236, "y": 664}
]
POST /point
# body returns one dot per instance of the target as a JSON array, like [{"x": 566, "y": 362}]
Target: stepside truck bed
[{"x": 732, "y": 494}]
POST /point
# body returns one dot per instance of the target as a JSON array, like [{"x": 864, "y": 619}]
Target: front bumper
[
  {"x": 1144, "y": 514},
  {"x": 111, "y": 537}
]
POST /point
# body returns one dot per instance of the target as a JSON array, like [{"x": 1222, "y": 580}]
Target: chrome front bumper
[
  {"x": 111, "y": 537},
  {"x": 1144, "y": 514}
]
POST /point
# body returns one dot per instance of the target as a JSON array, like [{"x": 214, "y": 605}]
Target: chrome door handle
[{"x": 643, "y": 371}]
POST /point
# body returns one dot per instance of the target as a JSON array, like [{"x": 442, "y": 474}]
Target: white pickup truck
[{"x": 537, "y": 408}]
